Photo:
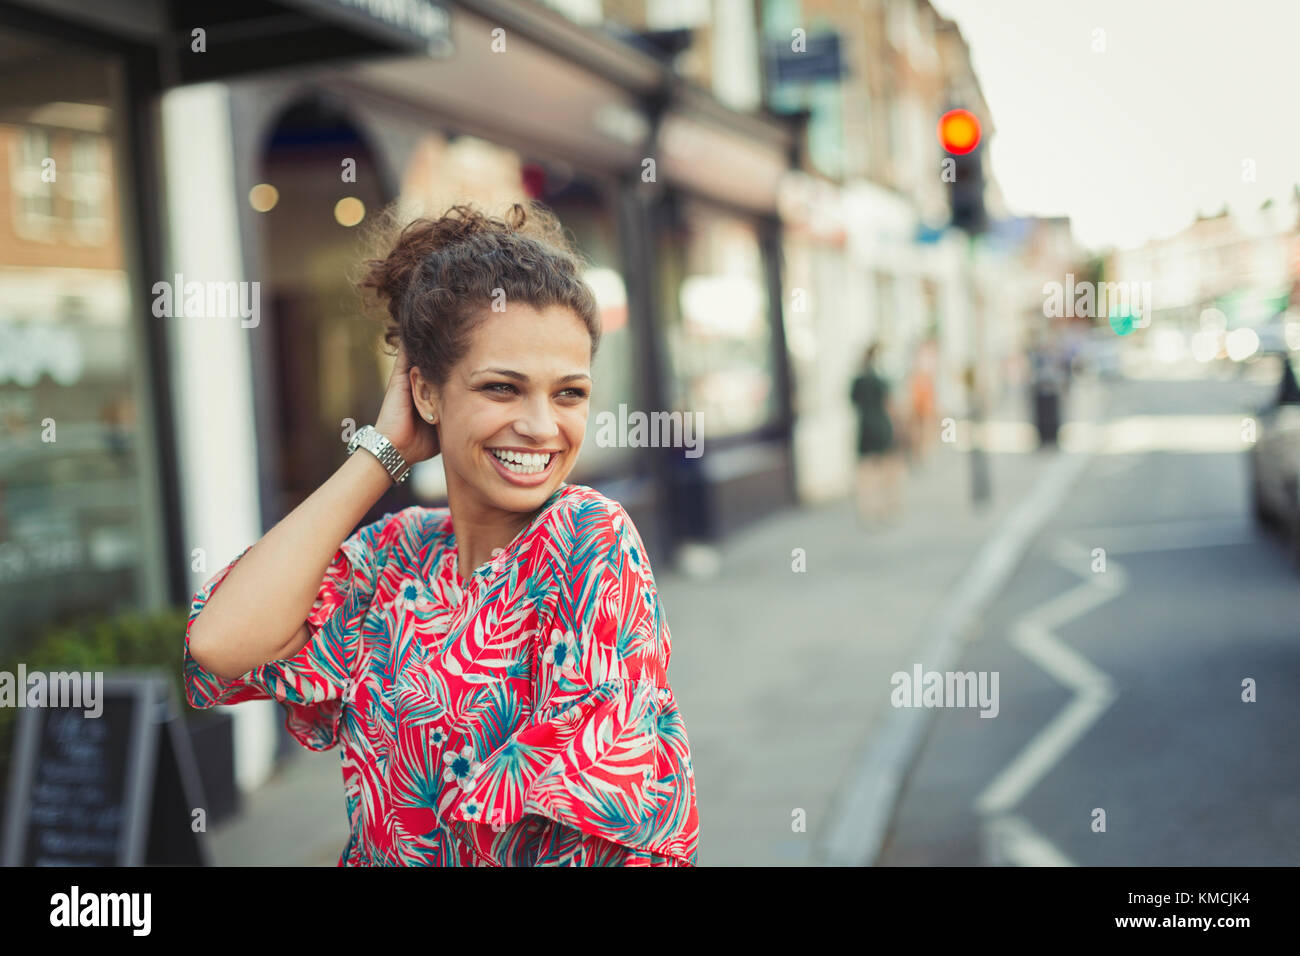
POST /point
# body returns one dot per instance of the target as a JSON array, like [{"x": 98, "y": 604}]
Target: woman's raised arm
[{"x": 258, "y": 613}]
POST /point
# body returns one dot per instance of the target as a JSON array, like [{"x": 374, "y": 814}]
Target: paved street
[{"x": 1121, "y": 689}]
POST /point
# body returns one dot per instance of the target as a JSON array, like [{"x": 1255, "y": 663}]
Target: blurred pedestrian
[
  {"x": 879, "y": 468},
  {"x": 1048, "y": 381},
  {"x": 923, "y": 419},
  {"x": 1288, "y": 390}
]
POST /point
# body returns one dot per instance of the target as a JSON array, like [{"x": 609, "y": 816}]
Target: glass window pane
[
  {"x": 72, "y": 530},
  {"x": 719, "y": 339}
]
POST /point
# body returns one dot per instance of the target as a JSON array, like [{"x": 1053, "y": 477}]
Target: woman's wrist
[
  {"x": 403, "y": 448},
  {"x": 368, "y": 473},
  {"x": 394, "y": 456}
]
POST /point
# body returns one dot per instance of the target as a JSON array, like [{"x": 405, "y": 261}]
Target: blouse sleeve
[
  {"x": 314, "y": 685},
  {"x": 601, "y": 774}
]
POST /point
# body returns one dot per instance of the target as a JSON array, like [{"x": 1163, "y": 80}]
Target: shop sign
[
  {"x": 806, "y": 59},
  {"x": 418, "y": 24}
]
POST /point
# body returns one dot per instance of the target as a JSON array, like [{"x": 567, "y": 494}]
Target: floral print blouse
[{"x": 523, "y": 719}]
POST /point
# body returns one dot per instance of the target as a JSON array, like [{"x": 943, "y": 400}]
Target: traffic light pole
[
  {"x": 959, "y": 135},
  {"x": 981, "y": 486}
]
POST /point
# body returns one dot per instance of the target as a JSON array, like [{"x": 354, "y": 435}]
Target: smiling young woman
[{"x": 495, "y": 672}]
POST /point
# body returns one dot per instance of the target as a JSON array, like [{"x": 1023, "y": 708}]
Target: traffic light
[
  {"x": 966, "y": 193},
  {"x": 963, "y": 170}
]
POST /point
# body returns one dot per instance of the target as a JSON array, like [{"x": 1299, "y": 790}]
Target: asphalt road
[{"x": 1120, "y": 690}]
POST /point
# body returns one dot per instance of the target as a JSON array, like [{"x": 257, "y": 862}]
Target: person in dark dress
[{"x": 877, "y": 478}]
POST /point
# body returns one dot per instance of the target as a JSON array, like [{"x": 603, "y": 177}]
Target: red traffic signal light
[{"x": 959, "y": 132}]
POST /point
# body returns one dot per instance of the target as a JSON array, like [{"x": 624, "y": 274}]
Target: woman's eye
[{"x": 505, "y": 388}]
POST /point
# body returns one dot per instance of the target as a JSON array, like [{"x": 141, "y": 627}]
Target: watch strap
[{"x": 373, "y": 441}]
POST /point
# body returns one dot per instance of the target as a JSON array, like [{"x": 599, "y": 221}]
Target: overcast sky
[{"x": 1132, "y": 142}]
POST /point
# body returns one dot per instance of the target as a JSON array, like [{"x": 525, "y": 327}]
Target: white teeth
[{"x": 522, "y": 463}]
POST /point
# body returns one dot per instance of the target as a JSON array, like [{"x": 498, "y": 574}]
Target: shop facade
[{"x": 256, "y": 165}]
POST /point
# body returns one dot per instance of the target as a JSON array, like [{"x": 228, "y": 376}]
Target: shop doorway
[{"x": 324, "y": 375}]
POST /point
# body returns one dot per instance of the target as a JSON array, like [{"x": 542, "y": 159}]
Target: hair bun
[
  {"x": 391, "y": 276},
  {"x": 438, "y": 274}
]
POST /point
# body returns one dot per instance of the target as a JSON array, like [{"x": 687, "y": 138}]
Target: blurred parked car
[
  {"x": 1273, "y": 335},
  {"x": 1275, "y": 460}
]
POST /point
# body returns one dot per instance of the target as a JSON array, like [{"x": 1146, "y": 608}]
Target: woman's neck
[{"x": 481, "y": 532}]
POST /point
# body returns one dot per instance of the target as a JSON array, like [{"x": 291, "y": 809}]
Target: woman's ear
[{"x": 425, "y": 396}]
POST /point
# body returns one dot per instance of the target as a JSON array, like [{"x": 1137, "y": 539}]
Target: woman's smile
[{"x": 522, "y": 467}]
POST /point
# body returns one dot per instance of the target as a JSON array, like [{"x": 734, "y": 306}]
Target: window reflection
[
  {"x": 71, "y": 525},
  {"x": 719, "y": 340}
]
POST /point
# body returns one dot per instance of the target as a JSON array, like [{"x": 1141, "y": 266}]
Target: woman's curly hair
[{"x": 440, "y": 276}]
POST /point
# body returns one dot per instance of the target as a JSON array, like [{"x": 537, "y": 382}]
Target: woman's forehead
[{"x": 540, "y": 339}]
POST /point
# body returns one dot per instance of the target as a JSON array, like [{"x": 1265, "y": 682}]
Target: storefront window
[
  {"x": 326, "y": 381},
  {"x": 74, "y": 524},
  {"x": 33, "y": 192},
  {"x": 719, "y": 333},
  {"x": 88, "y": 189}
]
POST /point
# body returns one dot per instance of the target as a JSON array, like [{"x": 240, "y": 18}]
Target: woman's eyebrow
[{"x": 521, "y": 377}]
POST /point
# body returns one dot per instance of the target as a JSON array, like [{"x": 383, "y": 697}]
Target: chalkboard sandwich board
[{"x": 118, "y": 789}]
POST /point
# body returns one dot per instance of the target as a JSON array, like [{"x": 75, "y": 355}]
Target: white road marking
[
  {"x": 1051, "y": 743},
  {"x": 1009, "y": 840},
  {"x": 1094, "y": 692}
]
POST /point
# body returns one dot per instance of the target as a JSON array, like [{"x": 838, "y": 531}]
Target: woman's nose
[{"x": 537, "y": 420}]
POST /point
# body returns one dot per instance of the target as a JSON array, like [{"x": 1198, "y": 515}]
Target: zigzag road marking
[
  {"x": 1010, "y": 841},
  {"x": 1008, "y": 838}
]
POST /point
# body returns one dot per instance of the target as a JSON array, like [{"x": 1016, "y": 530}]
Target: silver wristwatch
[{"x": 372, "y": 441}]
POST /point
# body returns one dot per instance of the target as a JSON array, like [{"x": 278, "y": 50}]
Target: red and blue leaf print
[{"x": 522, "y": 719}]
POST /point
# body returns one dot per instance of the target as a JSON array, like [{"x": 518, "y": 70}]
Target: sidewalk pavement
[
  {"x": 297, "y": 818},
  {"x": 783, "y": 676}
]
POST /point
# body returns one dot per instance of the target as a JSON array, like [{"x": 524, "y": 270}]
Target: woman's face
[{"x": 513, "y": 413}]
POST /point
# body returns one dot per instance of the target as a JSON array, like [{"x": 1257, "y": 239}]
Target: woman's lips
[{"x": 524, "y": 481}]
